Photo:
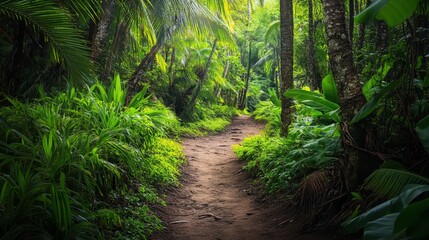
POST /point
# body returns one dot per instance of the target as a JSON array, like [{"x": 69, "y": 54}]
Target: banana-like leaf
[
  {"x": 316, "y": 101},
  {"x": 368, "y": 88},
  {"x": 381, "y": 228},
  {"x": 415, "y": 217},
  {"x": 393, "y": 12},
  {"x": 371, "y": 105},
  {"x": 330, "y": 90},
  {"x": 422, "y": 130},
  {"x": 394, "y": 205}
]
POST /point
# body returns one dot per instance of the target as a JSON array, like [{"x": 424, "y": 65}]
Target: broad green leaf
[
  {"x": 411, "y": 215},
  {"x": 330, "y": 90},
  {"x": 316, "y": 101},
  {"x": 381, "y": 228},
  {"x": 393, "y": 12},
  {"x": 394, "y": 205},
  {"x": 422, "y": 130},
  {"x": 370, "y": 106},
  {"x": 312, "y": 99},
  {"x": 368, "y": 88}
]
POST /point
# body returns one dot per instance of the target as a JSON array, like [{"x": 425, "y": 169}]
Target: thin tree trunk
[
  {"x": 361, "y": 41},
  {"x": 170, "y": 68},
  {"x": 286, "y": 65},
  {"x": 382, "y": 31},
  {"x": 117, "y": 47},
  {"x": 351, "y": 97},
  {"x": 242, "y": 103},
  {"x": 202, "y": 78},
  {"x": 102, "y": 33},
  {"x": 313, "y": 70},
  {"x": 224, "y": 74},
  {"x": 136, "y": 78}
]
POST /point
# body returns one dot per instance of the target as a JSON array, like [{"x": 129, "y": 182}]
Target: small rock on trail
[{"x": 216, "y": 201}]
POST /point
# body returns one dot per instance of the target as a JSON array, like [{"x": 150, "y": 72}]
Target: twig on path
[
  {"x": 285, "y": 221},
  {"x": 206, "y": 215},
  {"x": 180, "y": 221}
]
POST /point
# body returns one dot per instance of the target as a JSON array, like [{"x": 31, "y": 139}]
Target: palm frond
[
  {"x": 388, "y": 183},
  {"x": 84, "y": 9},
  {"x": 55, "y": 24}
]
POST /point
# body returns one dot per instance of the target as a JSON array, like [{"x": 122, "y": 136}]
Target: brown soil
[{"x": 217, "y": 200}]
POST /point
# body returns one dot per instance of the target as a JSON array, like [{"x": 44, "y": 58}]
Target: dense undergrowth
[
  {"x": 281, "y": 163},
  {"x": 83, "y": 165},
  {"x": 207, "y": 120}
]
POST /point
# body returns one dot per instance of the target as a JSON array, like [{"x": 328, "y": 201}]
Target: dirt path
[{"x": 217, "y": 201}]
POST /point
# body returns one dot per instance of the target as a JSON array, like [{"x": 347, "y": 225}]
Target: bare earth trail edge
[{"x": 217, "y": 200}]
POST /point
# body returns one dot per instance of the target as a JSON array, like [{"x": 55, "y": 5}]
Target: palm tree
[
  {"x": 351, "y": 97},
  {"x": 172, "y": 17},
  {"x": 286, "y": 65}
]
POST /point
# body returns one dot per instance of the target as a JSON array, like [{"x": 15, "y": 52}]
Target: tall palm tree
[
  {"x": 286, "y": 62},
  {"x": 351, "y": 97}
]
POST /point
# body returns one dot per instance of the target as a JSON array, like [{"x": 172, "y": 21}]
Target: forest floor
[{"x": 218, "y": 201}]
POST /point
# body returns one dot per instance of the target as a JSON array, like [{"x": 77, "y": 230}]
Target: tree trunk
[
  {"x": 242, "y": 103},
  {"x": 313, "y": 70},
  {"x": 382, "y": 31},
  {"x": 351, "y": 21},
  {"x": 286, "y": 63},
  {"x": 224, "y": 74},
  {"x": 102, "y": 33},
  {"x": 202, "y": 79},
  {"x": 351, "y": 97},
  {"x": 117, "y": 47},
  {"x": 133, "y": 83}
]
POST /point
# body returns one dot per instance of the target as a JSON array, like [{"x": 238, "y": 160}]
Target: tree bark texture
[
  {"x": 102, "y": 32},
  {"x": 136, "y": 78},
  {"x": 351, "y": 21},
  {"x": 351, "y": 97},
  {"x": 286, "y": 63},
  {"x": 382, "y": 31}
]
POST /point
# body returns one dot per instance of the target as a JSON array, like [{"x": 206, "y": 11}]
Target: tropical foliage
[{"x": 95, "y": 96}]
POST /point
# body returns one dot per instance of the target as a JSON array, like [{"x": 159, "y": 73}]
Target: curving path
[{"x": 217, "y": 201}]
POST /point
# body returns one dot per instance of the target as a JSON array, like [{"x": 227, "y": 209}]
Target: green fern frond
[
  {"x": 388, "y": 183},
  {"x": 56, "y": 25}
]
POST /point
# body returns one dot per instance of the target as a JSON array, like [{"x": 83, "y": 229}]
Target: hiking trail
[{"x": 217, "y": 200}]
